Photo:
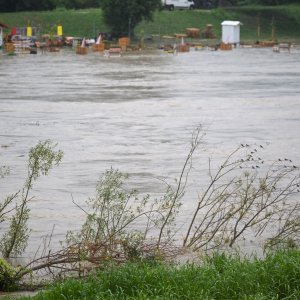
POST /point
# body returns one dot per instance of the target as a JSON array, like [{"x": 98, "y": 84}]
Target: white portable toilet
[
  {"x": 2, "y": 25},
  {"x": 1, "y": 35},
  {"x": 231, "y": 32}
]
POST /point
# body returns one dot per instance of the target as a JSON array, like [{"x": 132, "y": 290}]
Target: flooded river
[{"x": 136, "y": 114}]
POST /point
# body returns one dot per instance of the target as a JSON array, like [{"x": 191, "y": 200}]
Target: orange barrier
[
  {"x": 224, "y": 46},
  {"x": 9, "y": 47},
  {"x": 99, "y": 47},
  {"x": 124, "y": 41},
  {"x": 115, "y": 50},
  {"x": 193, "y": 32},
  {"x": 81, "y": 50},
  {"x": 183, "y": 48}
]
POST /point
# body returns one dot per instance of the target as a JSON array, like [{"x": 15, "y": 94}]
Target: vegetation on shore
[
  {"x": 218, "y": 277},
  {"x": 90, "y": 22},
  {"x": 244, "y": 196},
  {"x": 104, "y": 235}
]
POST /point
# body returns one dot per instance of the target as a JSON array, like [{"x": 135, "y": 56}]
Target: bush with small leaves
[{"x": 7, "y": 275}]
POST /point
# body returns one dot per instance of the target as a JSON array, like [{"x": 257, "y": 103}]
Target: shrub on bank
[
  {"x": 219, "y": 277},
  {"x": 7, "y": 273}
]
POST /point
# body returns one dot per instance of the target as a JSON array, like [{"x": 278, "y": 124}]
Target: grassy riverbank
[
  {"x": 220, "y": 277},
  {"x": 89, "y": 22}
]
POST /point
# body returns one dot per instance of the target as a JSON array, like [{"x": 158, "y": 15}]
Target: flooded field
[{"x": 136, "y": 114}]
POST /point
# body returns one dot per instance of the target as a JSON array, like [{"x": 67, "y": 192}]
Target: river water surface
[{"x": 136, "y": 113}]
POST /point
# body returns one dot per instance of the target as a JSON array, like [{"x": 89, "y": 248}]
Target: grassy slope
[
  {"x": 286, "y": 19},
  {"x": 75, "y": 22},
  {"x": 89, "y": 22},
  {"x": 221, "y": 277}
]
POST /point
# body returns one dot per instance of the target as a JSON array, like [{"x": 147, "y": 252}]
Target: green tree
[
  {"x": 124, "y": 15},
  {"x": 26, "y": 5}
]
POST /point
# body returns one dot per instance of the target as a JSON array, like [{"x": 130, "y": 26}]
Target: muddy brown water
[{"x": 136, "y": 113}]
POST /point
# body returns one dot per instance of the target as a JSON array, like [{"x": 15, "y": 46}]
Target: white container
[
  {"x": 1, "y": 36},
  {"x": 2, "y": 25},
  {"x": 231, "y": 32}
]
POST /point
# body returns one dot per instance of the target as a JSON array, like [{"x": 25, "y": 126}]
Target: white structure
[
  {"x": 2, "y": 25},
  {"x": 1, "y": 35},
  {"x": 231, "y": 32}
]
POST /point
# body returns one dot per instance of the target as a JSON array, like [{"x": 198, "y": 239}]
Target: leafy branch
[{"x": 42, "y": 157}]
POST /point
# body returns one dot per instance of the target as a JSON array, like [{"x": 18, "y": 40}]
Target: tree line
[{"x": 33, "y": 5}]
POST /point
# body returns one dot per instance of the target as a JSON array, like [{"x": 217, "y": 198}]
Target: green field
[
  {"x": 220, "y": 277},
  {"x": 89, "y": 22}
]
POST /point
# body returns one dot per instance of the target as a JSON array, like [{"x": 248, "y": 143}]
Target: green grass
[
  {"x": 89, "y": 22},
  {"x": 220, "y": 277},
  {"x": 285, "y": 18},
  {"x": 75, "y": 22}
]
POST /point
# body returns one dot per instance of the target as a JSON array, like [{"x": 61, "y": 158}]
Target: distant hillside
[{"x": 89, "y": 22}]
